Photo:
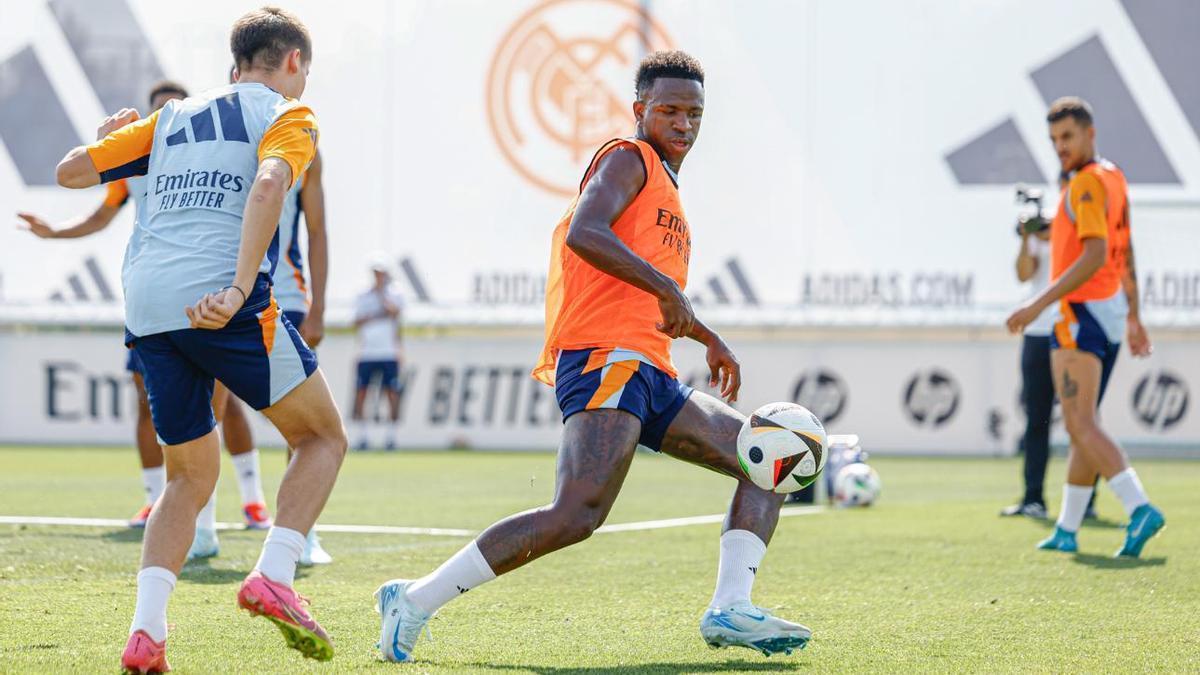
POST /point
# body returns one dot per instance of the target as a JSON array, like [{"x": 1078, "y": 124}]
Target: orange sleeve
[
  {"x": 116, "y": 194},
  {"x": 126, "y": 151},
  {"x": 1087, "y": 203},
  {"x": 292, "y": 138}
]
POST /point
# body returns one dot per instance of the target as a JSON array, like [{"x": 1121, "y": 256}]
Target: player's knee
[
  {"x": 578, "y": 521},
  {"x": 332, "y": 440},
  {"x": 194, "y": 486},
  {"x": 1079, "y": 424}
]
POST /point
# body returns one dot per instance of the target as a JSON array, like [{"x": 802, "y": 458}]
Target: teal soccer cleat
[
  {"x": 204, "y": 545},
  {"x": 401, "y": 621},
  {"x": 1060, "y": 540},
  {"x": 1145, "y": 522},
  {"x": 744, "y": 625}
]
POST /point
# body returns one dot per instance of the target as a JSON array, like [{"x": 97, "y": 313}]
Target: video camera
[{"x": 1034, "y": 221}]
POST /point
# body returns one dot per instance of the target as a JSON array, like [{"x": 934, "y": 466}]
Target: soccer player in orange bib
[
  {"x": 1094, "y": 293},
  {"x": 614, "y": 302}
]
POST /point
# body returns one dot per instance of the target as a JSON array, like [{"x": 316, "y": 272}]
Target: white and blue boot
[
  {"x": 752, "y": 627},
  {"x": 204, "y": 544},
  {"x": 314, "y": 553},
  {"x": 401, "y": 621}
]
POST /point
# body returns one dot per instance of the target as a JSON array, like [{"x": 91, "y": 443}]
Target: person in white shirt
[
  {"x": 1037, "y": 387},
  {"x": 377, "y": 314}
]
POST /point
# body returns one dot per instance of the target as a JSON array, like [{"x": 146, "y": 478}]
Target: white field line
[{"x": 394, "y": 529}]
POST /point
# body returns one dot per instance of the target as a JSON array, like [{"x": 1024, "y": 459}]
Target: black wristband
[{"x": 238, "y": 290}]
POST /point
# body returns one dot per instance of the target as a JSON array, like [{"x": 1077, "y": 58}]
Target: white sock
[
  {"x": 1074, "y": 505},
  {"x": 154, "y": 586},
  {"x": 207, "y": 518},
  {"x": 741, "y": 554},
  {"x": 155, "y": 481},
  {"x": 249, "y": 478},
  {"x": 464, "y": 570},
  {"x": 280, "y": 552},
  {"x": 1129, "y": 490},
  {"x": 359, "y": 432},
  {"x": 389, "y": 436}
]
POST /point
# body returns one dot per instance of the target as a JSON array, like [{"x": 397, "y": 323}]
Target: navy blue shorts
[
  {"x": 132, "y": 363},
  {"x": 387, "y": 372},
  {"x": 593, "y": 379},
  {"x": 258, "y": 356},
  {"x": 294, "y": 317},
  {"x": 1090, "y": 327}
]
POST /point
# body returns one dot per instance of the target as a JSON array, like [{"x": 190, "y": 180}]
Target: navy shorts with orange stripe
[
  {"x": 258, "y": 355},
  {"x": 1090, "y": 327},
  {"x": 1093, "y": 326},
  {"x": 619, "y": 379}
]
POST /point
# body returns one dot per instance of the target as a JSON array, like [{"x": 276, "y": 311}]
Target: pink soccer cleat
[
  {"x": 139, "y": 519},
  {"x": 257, "y": 516},
  {"x": 144, "y": 655},
  {"x": 287, "y": 610}
]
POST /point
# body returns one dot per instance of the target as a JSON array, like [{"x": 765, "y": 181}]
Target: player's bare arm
[
  {"x": 73, "y": 229},
  {"x": 77, "y": 170},
  {"x": 619, "y": 177},
  {"x": 1095, "y": 253},
  {"x": 312, "y": 201},
  {"x": 1139, "y": 339},
  {"x": 263, "y": 206}
]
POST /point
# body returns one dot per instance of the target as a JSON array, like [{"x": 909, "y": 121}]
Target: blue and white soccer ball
[
  {"x": 856, "y": 484},
  {"x": 843, "y": 449},
  {"x": 781, "y": 447}
]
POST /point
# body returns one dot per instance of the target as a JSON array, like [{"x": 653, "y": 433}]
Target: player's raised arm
[
  {"x": 619, "y": 177},
  {"x": 312, "y": 201},
  {"x": 122, "y": 149}
]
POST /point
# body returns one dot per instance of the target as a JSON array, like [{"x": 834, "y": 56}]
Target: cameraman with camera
[{"x": 1037, "y": 388}]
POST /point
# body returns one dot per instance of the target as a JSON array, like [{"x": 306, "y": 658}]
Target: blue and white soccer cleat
[
  {"x": 745, "y": 625},
  {"x": 204, "y": 545},
  {"x": 314, "y": 553},
  {"x": 401, "y": 621},
  {"x": 1059, "y": 540},
  {"x": 1145, "y": 522}
]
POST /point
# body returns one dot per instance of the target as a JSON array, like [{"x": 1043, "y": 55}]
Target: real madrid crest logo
[{"x": 561, "y": 83}]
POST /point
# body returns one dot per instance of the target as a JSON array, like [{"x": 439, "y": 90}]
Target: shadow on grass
[
  {"x": 774, "y": 666},
  {"x": 124, "y": 535},
  {"x": 1089, "y": 524},
  {"x": 202, "y": 572},
  {"x": 1105, "y": 562}
]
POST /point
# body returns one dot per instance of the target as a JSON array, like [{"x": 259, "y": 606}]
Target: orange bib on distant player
[
  {"x": 588, "y": 308},
  {"x": 1094, "y": 205}
]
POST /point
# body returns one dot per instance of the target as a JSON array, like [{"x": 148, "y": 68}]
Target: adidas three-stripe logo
[{"x": 203, "y": 124}]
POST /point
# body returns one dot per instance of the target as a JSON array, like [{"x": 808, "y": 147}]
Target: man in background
[
  {"x": 377, "y": 317},
  {"x": 1037, "y": 388}
]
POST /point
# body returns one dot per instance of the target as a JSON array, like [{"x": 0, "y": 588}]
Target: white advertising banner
[
  {"x": 853, "y": 154},
  {"x": 912, "y": 391}
]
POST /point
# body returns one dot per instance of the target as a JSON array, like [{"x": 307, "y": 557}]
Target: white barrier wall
[{"x": 917, "y": 391}]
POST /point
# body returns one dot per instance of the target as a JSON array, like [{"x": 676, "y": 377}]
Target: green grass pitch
[{"x": 928, "y": 580}]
